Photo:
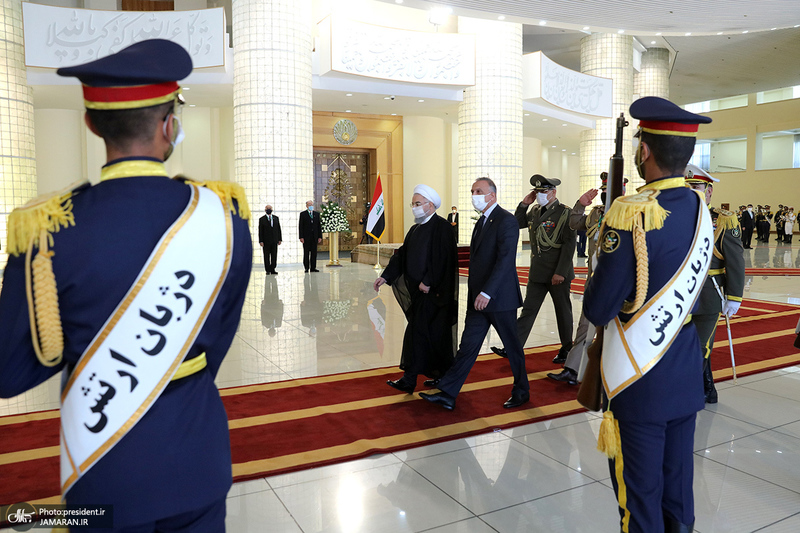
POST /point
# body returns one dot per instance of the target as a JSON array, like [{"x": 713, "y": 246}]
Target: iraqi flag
[{"x": 376, "y": 221}]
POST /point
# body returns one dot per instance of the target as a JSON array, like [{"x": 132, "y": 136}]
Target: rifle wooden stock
[{"x": 590, "y": 393}]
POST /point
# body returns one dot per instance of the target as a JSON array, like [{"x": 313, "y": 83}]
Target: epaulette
[
  {"x": 625, "y": 212},
  {"x": 726, "y": 219},
  {"x": 228, "y": 191},
  {"x": 49, "y": 212}
]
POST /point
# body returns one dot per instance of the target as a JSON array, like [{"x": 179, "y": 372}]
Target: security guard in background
[
  {"x": 139, "y": 283},
  {"x": 655, "y": 249},
  {"x": 551, "y": 271},
  {"x": 727, "y": 269}
]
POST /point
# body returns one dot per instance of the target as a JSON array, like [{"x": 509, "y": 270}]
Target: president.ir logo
[{"x": 20, "y": 516}]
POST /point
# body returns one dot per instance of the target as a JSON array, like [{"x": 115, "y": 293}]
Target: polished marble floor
[{"x": 546, "y": 476}]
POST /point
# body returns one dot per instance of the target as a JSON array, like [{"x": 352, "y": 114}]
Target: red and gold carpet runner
[{"x": 293, "y": 425}]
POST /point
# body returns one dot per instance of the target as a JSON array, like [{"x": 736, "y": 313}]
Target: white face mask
[
  {"x": 419, "y": 212},
  {"x": 749, "y": 209},
  {"x": 177, "y": 130},
  {"x": 311, "y": 208},
  {"x": 479, "y": 202},
  {"x": 541, "y": 197}
]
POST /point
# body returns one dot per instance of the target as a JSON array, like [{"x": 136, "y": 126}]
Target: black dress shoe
[
  {"x": 499, "y": 351},
  {"x": 441, "y": 398},
  {"x": 314, "y": 270},
  {"x": 516, "y": 400},
  {"x": 401, "y": 385},
  {"x": 567, "y": 376},
  {"x": 431, "y": 382}
]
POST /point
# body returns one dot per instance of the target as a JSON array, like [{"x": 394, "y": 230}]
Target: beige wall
[
  {"x": 424, "y": 162},
  {"x": 59, "y": 148},
  {"x": 755, "y": 186}
]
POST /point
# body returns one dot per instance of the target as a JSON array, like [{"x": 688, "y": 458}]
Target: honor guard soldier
[
  {"x": 590, "y": 223},
  {"x": 655, "y": 251},
  {"x": 552, "y": 248},
  {"x": 132, "y": 289},
  {"x": 727, "y": 270}
]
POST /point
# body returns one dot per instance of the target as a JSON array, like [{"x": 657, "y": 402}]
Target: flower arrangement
[{"x": 333, "y": 218}]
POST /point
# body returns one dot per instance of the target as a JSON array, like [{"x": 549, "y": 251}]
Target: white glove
[{"x": 731, "y": 307}]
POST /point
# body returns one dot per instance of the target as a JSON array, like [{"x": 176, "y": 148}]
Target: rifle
[{"x": 590, "y": 394}]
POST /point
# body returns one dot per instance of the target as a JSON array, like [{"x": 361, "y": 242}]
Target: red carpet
[{"x": 293, "y": 425}]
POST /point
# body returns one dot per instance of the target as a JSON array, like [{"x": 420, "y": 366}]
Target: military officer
[
  {"x": 727, "y": 269},
  {"x": 590, "y": 223},
  {"x": 142, "y": 280},
  {"x": 655, "y": 251},
  {"x": 552, "y": 248}
]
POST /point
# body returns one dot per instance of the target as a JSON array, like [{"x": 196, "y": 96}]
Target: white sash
[
  {"x": 133, "y": 357},
  {"x": 631, "y": 350}
]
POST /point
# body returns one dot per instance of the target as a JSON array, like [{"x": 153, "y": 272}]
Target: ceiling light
[
  {"x": 585, "y": 28},
  {"x": 563, "y": 149},
  {"x": 798, "y": 26},
  {"x": 387, "y": 97},
  {"x": 420, "y": 100},
  {"x": 688, "y": 33},
  {"x": 773, "y": 29},
  {"x": 527, "y": 114},
  {"x": 746, "y": 31},
  {"x": 501, "y": 17},
  {"x": 719, "y": 33},
  {"x": 186, "y": 88},
  {"x": 398, "y": 1},
  {"x": 573, "y": 153},
  {"x": 620, "y": 31},
  {"x": 348, "y": 111},
  {"x": 659, "y": 33},
  {"x": 349, "y": 94},
  {"x": 544, "y": 120},
  {"x": 542, "y": 23},
  {"x": 438, "y": 15},
  {"x": 192, "y": 105},
  {"x": 563, "y": 124},
  {"x": 652, "y": 42},
  {"x": 394, "y": 114},
  {"x": 553, "y": 146}
]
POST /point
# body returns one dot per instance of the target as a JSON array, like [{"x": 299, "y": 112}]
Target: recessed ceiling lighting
[
  {"x": 542, "y": 23},
  {"x": 527, "y": 114},
  {"x": 563, "y": 124},
  {"x": 349, "y": 94},
  {"x": 688, "y": 33},
  {"x": 192, "y": 105},
  {"x": 652, "y": 42},
  {"x": 773, "y": 29},
  {"x": 563, "y": 149},
  {"x": 387, "y": 97},
  {"x": 186, "y": 88},
  {"x": 348, "y": 110},
  {"x": 501, "y": 17},
  {"x": 798, "y": 26},
  {"x": 394, "y": 114},
  {"x": 398, "y": 1},
  {"x": 553, "y": 146},
  {"x": 573, "y": 153},
  {"x": 585, "y": 28},
  {"x": 420, "y": 100},
  {"x": 544, "y": 120},
  {"x": 746, "y": 31},
  {"x": 719, "y": 33},
  {"x": 659, "y": 33}
]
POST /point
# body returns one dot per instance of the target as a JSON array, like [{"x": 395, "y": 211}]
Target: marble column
[
  {"x": 490, "y": 134},
  {"x": 17, "y": 144},
  {"x": 653, "y": 77},
  {"x": 609, "y": 55},
  {"x": 273, "y": 130}
]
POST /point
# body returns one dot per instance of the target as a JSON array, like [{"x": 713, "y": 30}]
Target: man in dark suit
[
  {"x": 748, "y": 223},
  {"x": 310, "y": 236},
  {"x": 269, "y": 237},
  {"x": 492, "y": 299},
  {"x": 452, "y": 218}
]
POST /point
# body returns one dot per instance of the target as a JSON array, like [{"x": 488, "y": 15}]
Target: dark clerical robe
[{"x": 428, "y": 255}]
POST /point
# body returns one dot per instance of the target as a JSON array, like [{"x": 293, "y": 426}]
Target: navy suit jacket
[{"x": 493, "y": 263}]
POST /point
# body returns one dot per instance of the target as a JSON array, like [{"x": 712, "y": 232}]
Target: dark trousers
[
  {"x": 534, "y": 296},
  {"x": 476, "y": 325},
  {"x": 310, "y": 255},
  {"x": 655, "y": 469},
  {"x": 209, "y": 519},
  {"x": 747, "y": 236},
  {"x": 270, "y": 256},
  {"x": 581, "y": 243},
  {"x": 706, "y": 326}
]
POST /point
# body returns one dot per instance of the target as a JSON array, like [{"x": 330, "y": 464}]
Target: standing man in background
[
  {"x": 269, "y": 237},
  {"x": 452, "y": 218},
  {"x": 552, "y": 248},
  {"x": 748, "y": 223},
  {"x": 727, "y": 269},
  {"x": 310, "y": 235}
]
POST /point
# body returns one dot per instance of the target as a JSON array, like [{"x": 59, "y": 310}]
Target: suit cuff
[{"x": 486, "y": 296}]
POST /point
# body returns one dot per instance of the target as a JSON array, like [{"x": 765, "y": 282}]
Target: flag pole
[{"x": 378, "y": 256}]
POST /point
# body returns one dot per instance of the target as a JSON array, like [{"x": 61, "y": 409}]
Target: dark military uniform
[
  {"x": 727, "y": 268},
  {"x": 651, "y": 469},
  {"x": 552, "y": 250}
]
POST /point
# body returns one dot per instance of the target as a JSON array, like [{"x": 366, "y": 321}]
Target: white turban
[{"x": 429, "y": 194}]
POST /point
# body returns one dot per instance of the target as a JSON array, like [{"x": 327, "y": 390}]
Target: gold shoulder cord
[
  {"x": 642, "y": 267},
  {"x": 43, "y": 304}
]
